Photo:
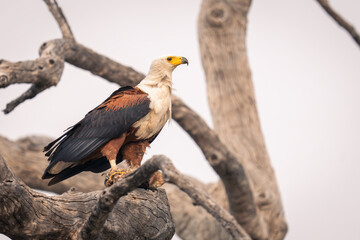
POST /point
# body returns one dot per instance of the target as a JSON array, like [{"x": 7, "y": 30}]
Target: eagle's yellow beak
[{"x": 177, "y": 60}]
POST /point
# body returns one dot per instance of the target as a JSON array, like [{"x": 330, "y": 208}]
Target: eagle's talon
[{"x": 114, "y": 176}]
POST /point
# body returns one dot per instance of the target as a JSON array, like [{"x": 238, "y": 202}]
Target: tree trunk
[{"x": 222, "y": 37}]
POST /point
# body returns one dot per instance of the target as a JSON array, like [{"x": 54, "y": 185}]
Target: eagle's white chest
[{"x": 160, "y": 111}]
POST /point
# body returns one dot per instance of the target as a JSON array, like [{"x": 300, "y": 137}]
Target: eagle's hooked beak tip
[{"x": 184, "y": 61}]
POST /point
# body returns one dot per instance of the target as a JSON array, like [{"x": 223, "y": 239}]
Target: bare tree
[{"x": 246, "y": 202}]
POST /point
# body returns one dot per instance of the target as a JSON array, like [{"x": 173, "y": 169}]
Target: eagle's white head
[
  {"x": 161, "y": 70},
  {"x": 167, "y": 63}
]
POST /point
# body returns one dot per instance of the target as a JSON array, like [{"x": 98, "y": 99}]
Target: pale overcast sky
[{"x": 306, "y": 72}]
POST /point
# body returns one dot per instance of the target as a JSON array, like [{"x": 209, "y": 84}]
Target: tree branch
[
  {"x": 340, "y": 20},
  {"x": 60, "y": 19},
  {"x": 100, "y": 65}
]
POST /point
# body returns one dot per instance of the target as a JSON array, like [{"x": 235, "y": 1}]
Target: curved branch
[
  {"x": 60, "y": 19},
  {"x": 340, "y": 20}
]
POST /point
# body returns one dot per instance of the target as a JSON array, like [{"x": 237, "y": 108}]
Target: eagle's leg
[
  {"x": 133, "y": 154},
  {"x": 110, "y": 150}
]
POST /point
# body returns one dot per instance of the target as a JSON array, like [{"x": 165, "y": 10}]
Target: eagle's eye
[{"x": 169, "y": 59}]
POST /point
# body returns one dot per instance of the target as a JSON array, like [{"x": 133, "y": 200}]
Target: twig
[
  {"x": 109, "y": 197},
  {"x": 60, "y": 19},
  {"x": 30, "y": 93},
  {"x": 340, "y": 20}
]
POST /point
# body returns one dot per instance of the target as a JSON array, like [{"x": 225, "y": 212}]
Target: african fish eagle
[{"x": 121, "y": 127}]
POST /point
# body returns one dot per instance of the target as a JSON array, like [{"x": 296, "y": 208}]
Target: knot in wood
[
  {"x": 263, "y": 199},
  {"x": 43, "y": 46},
  {"x": 218, "y": 14},
  {"x": 108, "y": 200},
  {"x": 215, "y": 158},
  {"x": 3, "y": 80}
]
